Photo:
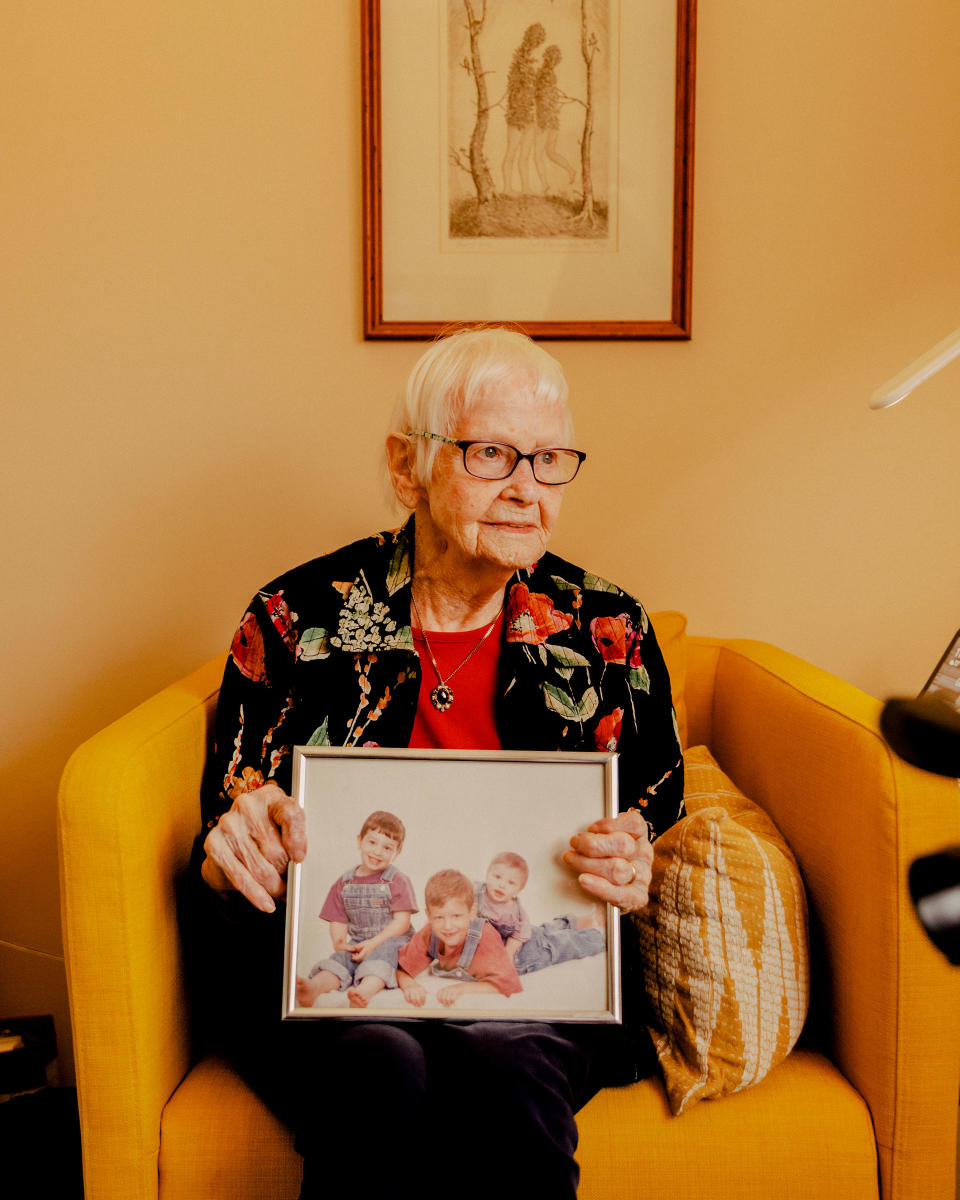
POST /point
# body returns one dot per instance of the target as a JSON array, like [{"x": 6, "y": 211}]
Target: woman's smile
[{"x": 513, "y": 526}]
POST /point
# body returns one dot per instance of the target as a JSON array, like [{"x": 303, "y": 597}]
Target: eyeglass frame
[{"x": 464, "y": 444}]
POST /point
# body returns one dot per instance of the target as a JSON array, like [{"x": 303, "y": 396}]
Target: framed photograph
[
  {"x": 531, "y": 162},
  {"x": 433, "y": 887}
]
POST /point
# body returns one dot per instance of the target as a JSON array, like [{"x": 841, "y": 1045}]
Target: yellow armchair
[{"x": 866, "y": 1107}]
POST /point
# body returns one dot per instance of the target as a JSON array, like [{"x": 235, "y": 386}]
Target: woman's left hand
[{"x": 614, "y": 858}]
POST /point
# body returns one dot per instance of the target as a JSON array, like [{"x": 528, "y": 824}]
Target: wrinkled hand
[
  {"x": 614, "y": 858},
  {"x": 249, "y": 848}
]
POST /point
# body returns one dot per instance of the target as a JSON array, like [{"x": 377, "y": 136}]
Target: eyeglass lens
[{"x": 495, "y": 460}]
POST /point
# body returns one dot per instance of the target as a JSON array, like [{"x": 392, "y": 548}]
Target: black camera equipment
[{"x": 926, "y": 733}]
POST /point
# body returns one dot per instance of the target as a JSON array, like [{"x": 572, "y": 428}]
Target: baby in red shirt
[{"x": 456, "y": 944}]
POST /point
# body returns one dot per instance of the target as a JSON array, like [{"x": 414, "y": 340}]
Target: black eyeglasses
[{"x": 498, "y": 460}]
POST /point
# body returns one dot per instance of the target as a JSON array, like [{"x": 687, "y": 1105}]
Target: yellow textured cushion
[
  {"x": 724, "y": 942},
  {"x": 805, "y": 1133},
  {"x": 671, "y": 630}
]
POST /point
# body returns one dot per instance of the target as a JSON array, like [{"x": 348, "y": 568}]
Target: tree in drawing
[
  {"x": 482, "y": 179},
  {"x": 588, "y": 48}
]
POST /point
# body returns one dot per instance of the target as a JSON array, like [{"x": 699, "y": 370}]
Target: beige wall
[{"x": 188, "y": 406}]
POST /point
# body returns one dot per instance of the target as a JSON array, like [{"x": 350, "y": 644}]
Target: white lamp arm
[{"x": 926, "y": 365}]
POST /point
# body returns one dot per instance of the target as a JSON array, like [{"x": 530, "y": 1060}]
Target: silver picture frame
[{"x": 460, "y": 810}]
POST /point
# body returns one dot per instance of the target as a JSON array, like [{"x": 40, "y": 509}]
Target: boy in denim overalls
[
  {"x": 369, "y": 909},
  {"x": 456, "y": 944},
  {"x": 532, "y": 947}
]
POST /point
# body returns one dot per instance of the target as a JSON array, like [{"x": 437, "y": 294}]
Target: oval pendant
[{"x": 441, "y": 697}]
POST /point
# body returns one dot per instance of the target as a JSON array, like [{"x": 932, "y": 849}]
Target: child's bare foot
[
  {"x": 361, "y": 995},
  {"x": 309, "y": 989},
  {"x": 306, "y": 993}
]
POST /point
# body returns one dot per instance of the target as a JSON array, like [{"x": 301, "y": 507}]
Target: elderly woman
[{"x": 459, "y": 629}]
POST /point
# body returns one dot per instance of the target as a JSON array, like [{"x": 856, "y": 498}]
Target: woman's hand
[
  {"x": 614, "y": 857},
  {"x": 250, "y": 846}
]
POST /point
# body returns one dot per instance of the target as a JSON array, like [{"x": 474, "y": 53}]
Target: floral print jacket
[{"x": 324, "y": 656}]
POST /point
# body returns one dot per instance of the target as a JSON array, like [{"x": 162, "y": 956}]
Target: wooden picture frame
[
  {"x": 443, "y": 813},
  {"x": 484, "y": 224}
]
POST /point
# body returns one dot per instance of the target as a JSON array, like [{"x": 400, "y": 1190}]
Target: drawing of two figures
[{"x": 533, "y": 108}]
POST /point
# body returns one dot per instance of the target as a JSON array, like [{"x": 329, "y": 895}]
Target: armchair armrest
[
  {"x": 128, "y": 813},
  {"x": 807, "y": 747}
]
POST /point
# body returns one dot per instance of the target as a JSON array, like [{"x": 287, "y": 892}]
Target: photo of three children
[{"x": 476, "y": 934}]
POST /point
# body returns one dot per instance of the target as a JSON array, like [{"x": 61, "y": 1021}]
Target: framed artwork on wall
[
  {"x": 528, "y": 161},
  {"x": 433, "y": 887}
]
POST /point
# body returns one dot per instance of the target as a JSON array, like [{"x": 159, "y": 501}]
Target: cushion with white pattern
[{"x": 724, "y": 942}]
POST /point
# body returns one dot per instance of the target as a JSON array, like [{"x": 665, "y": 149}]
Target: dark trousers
[{"x": 478, "y": 1109}]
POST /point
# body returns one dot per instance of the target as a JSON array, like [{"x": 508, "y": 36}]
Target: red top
[{"x": 468, "y": 722}]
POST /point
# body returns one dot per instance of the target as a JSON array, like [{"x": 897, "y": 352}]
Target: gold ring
[{"x": 632, "y": 879}]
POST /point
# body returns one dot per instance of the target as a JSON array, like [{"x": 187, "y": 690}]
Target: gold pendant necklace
[{"x": 442, "y": 695}]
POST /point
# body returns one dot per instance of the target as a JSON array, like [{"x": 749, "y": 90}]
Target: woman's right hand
[{"x": 249, "y": 848}]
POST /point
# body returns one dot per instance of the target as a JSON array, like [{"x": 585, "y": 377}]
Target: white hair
[{"x": 457, "y": 371}]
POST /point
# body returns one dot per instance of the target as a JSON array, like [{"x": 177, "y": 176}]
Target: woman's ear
[{"x": 403, "y": 475}]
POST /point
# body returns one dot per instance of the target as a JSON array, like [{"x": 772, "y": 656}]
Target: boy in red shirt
[{"x": 457, "y": 944}]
